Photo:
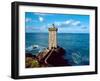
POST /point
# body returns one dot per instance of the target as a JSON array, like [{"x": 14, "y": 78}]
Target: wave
[
  {"x": 35, "y": 48},
  {"x": 77, "y": 58}
]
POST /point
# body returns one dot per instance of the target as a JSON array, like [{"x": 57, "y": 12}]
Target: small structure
[{"x": 52, "y": 37}]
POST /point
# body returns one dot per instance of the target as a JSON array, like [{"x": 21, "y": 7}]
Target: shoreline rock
[{"x": 47, "y": 58}]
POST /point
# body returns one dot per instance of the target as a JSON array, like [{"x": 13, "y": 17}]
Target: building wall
[{"x": 52, "y": 39}]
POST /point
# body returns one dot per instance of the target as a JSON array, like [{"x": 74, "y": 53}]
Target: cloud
[
  {"x": 40, "y": 14},
  {"x": 41, "y": 19},
  {"x": 36, "y": 29},
  {"x": 31, "y": 28},
  {"x": 83, "y": 27},
  {"x": 76, "y": 23},
  {"x": 69, "y": 23},
  {"x": 28, "y": 20}
]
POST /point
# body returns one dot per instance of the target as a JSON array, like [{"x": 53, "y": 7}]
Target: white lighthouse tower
[{"x": 52, "y": 37}]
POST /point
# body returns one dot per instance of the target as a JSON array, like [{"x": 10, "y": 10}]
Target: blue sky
[{"x": 66, "y": 23}]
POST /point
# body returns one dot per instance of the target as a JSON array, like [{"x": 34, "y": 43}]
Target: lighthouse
[{"x": 52, "y": 37}]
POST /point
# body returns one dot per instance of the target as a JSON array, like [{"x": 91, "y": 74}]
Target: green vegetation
[
  {"x": 31, "y": 62},
  {"x": 35, "y": 63}
]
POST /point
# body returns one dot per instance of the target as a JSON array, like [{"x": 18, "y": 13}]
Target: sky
[{"x": 66, "y": 23}]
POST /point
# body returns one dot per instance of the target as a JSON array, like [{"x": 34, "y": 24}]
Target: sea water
[{"x": 76, "y": 45}]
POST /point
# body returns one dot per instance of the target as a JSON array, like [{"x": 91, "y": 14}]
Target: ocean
[{"x": 75, "y": 44}]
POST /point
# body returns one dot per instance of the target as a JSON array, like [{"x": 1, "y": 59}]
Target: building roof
[{"x": 53, "y": 28}]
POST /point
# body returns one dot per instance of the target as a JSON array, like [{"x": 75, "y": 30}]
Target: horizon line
[{"x": 57, "y": 32}]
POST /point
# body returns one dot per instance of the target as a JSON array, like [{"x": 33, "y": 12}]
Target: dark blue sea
[{"x": 75, "y": 44}]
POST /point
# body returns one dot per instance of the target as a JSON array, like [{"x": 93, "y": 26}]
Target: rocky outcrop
[
  {"x": 47, "y": 58},
  {"x": 54, "y": 57},
  {"x": 31, "y": 61}
]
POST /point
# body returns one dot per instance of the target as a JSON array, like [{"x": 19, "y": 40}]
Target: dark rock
[
  {"x": 60, "y": 50},
  {"x": 30, "y": 55},
  {"x": 56, "y": 58}
]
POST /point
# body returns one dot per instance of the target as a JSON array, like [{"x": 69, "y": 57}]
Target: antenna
[{"x": 53, "y": 25}]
